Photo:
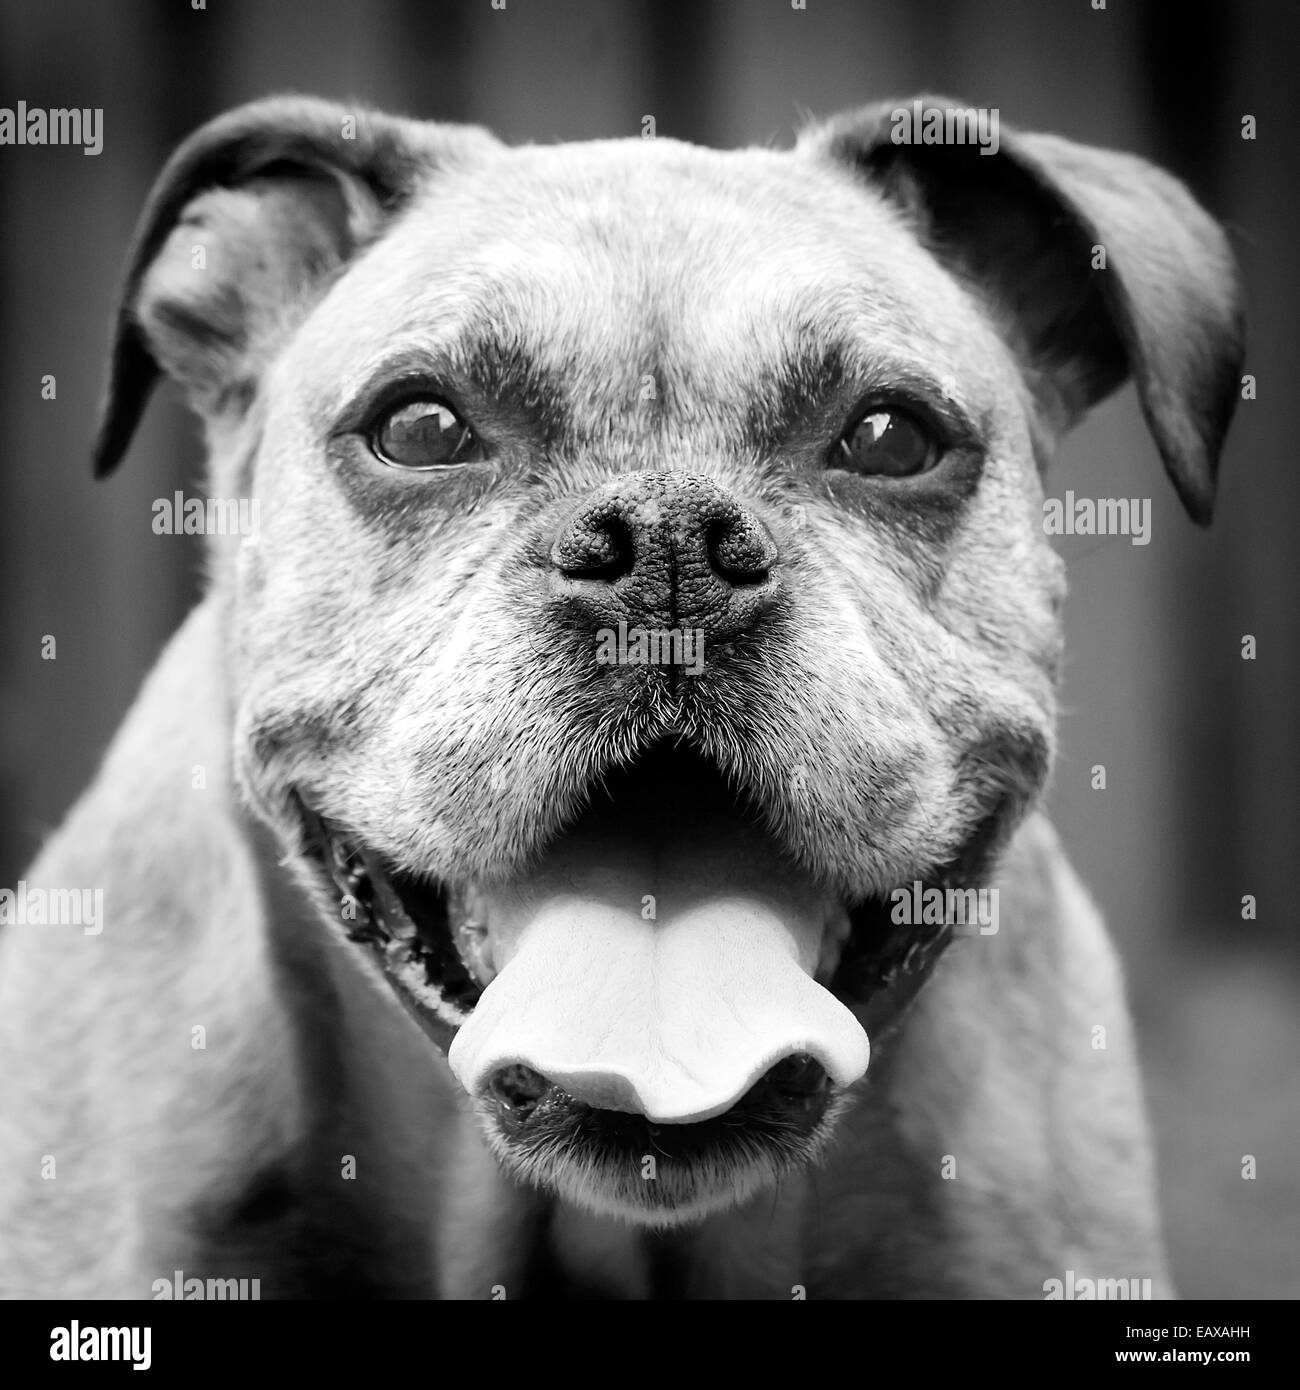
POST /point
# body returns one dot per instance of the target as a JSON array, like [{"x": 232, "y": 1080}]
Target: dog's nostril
[
  {"x": 518, "y": 1087},
  {"x": 595, "y": 547},
  {"x": 740, "y": 551},
  {"x": 798, "y": 1075}
]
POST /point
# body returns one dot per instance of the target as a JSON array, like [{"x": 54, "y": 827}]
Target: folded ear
[
  {"x": 243, "y": 229},
  {"x": 1098, "y": 265}
]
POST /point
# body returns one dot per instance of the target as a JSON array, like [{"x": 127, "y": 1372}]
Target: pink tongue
[{"x": 673, "y": 1015}]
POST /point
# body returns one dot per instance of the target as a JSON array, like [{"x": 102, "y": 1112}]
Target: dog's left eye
[
  {"x": 888, "y": 442},
  {"x": 424, "y": 434}
]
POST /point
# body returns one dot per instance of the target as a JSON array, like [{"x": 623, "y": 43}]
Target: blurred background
[{"x": 1202, "y": 803}]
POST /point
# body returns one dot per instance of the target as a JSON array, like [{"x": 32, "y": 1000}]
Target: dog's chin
[
  {"x": 621, "y": 1166},
  {"x": 439, "y": 946}
]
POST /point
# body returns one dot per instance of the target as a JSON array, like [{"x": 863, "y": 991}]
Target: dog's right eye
[
  {"x": 890, "y": 443},
  {"x": 424, "y": 434}
]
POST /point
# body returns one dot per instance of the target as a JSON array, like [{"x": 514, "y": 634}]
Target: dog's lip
[
  {"x": 434, "y": 943},
  {"x": 547, "y": 1137},
  {"x": 659, "y": 961},
  {"x": 596, "y": 1159},
  {"x": 519, "y": 1091},
  {"x": 433, "y": 940},
  {"x": 784, "y": 1111},
  {"x": 402, "y": 919}
]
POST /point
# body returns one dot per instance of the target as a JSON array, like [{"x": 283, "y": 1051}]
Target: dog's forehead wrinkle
[
  {"x": 698, "y": 212},
  {"x": 689, "y": 328}
]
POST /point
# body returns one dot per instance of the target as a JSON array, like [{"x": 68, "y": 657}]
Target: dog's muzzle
[
  {"x": 664, "y": 978},
  {"x": 663, "y": 960}
]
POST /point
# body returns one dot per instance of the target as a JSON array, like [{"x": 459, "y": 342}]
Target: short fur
[{"x": 387, "y": 651}]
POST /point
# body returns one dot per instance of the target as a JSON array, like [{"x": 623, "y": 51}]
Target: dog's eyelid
[
  {"x": 387, "y": 391},
  {"x": 940, "y": 413},
  {"x": 414, "y": 374},
  {"x": 930, "y": 401}
]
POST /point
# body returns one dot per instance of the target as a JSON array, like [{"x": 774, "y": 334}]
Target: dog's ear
[
  {"x": 242, "y": 231},
  {"x": 1097, "y": 264}
]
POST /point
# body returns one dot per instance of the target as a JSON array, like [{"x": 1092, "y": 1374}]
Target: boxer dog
[{"x": 534, "y": 869}]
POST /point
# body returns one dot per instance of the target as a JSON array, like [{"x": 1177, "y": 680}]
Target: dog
[{"x": 529, "y": 870}]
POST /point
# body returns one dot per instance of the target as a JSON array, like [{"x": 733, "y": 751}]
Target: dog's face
[{"x": 650, "y": 577}]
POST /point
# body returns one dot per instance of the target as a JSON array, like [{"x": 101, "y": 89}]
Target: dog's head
[{"x": 651, "y": 574}]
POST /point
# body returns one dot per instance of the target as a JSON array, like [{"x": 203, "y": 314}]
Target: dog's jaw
[
  {"x": 435, "y": 945},
  {"x": 641, "y": 1186}
]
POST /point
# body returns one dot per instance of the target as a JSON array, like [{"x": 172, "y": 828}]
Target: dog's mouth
[{"x": 664, "y": 984}]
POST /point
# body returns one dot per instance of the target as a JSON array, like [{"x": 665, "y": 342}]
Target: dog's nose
[{"x": 666, "y": 549}]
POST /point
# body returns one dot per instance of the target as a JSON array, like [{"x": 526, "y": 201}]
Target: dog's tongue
[{"x": 659, "y": 974}]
